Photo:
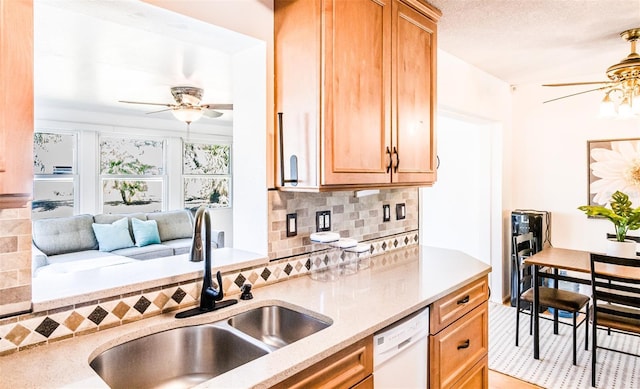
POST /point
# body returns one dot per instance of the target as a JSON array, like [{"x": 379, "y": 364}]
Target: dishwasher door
[{"x": 400, "y": 353}]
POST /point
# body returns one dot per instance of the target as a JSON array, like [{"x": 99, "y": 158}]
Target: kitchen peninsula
[{"x": 395, "y": 285}]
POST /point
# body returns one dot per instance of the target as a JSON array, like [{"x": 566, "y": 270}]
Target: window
[
  {"x": 132, "y": 175},
  {"x": 206, "y": 175},
  {"x": 55, "y": 175}
]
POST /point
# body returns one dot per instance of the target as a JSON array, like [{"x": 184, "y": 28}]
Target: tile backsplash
[
  {"x": 354, "y": 217},
  {"x": 26, "y": 331},
  {"x": 15, "y": 260}
]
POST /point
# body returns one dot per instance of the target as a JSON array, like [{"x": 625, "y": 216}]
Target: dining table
[{"x": 555, "y": 259}]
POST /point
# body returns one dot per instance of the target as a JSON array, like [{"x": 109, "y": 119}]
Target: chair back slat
[
  {"x": 616, "y": 290},
  {"x": 617, "y": 298},
  {"x": 611, "y": 311}
]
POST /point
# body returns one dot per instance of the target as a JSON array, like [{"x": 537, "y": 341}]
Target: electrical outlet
[
  {"x": 400, "y": 211},
  {"x": 292, "y": 224},
  {"x": 323, "y": 221},
  {"x": 386, "y": 212}
]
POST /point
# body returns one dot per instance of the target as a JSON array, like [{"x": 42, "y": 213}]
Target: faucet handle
[
  {"x": 246, "y": 292},
  {"x": 219, "y": 294}
]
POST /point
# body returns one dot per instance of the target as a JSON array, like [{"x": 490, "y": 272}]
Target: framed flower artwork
[{"x": 614, "y": 164}]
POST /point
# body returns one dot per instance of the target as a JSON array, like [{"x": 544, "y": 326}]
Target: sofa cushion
[
  {"x": 113, "y": 236},
  {"x": 64, "y": 235},
  {"x": 145, "y": 232},
  {"x": 108, "y": 218},
  {"x": 173, "y": 224},
  {"x": 179, "y": 246},
  {"x": 147, "y": 252},
  {"x": 71, "y": 266}
]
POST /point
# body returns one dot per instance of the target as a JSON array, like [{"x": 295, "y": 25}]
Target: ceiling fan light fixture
[
  {"x": 635, "y": 104},
  {"x": 187, "y": 114},
  {"x": 607, "y": 107},
  {"x": 624, "y": 109}
]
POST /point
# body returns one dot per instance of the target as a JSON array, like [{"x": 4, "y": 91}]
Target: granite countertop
[{"x": 397, "y": 284}]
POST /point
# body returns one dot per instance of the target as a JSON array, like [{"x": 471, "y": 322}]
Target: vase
[{"x": 626, "y": 249}]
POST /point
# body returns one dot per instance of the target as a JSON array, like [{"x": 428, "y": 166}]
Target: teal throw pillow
[
  {"x": 145, "y": 232},
  {"x": 113, "y": 236}
]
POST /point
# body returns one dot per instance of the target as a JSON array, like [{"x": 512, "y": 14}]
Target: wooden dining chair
[
  {"x": 615, "y": 284},
  {"x": 524, "y": 246}
]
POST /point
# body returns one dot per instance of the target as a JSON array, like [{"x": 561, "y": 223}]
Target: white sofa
[{"x": 69, "y": 244}]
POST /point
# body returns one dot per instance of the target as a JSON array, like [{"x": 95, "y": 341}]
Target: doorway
[{"x": 462, "y": 209}]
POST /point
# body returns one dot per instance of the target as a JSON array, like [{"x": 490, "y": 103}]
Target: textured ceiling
[{"x": 537, "y": 41}]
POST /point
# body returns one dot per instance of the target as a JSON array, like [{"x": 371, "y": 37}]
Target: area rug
[{"x": 554, "y": 369}]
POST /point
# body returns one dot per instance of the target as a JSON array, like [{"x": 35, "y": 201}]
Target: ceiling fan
[
  {"x": 622, "y": 90},
  {"x": 187, "y": 107}
]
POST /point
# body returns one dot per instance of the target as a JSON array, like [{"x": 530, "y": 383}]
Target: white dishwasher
[{"x": 401, "y": 353}]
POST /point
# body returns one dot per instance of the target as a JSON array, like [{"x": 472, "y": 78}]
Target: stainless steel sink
[
  {"x": 186, "y": 356},
  {"x": 178, "y": 358},
  {"x": 277, "y": 326}
]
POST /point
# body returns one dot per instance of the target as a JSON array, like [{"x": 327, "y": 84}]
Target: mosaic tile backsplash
[
  {"x": 30, "y": 330},
  {"x": 354, "y": 217},
  {"x": 15, "y": 260}
]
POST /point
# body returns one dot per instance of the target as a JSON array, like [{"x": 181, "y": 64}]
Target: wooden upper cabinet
[
  {"x": 16, "y": 102},
  {"x": 357, "y": 89},
  {"x": 355, "y": 83},
  {"x": 414, "y": 89}
]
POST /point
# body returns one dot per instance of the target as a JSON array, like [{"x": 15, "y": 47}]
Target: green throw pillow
[
  {"x": 145, "y": 232},
  {"x": 113, "y": 236}
]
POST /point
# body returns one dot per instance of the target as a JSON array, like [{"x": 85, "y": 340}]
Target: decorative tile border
[{"x": 30, "y": 330}]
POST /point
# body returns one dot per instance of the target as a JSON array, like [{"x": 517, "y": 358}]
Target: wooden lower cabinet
[
  {"x": 458, "y": 347},
  {"x": 476, "y": 377},
  {"x": 351, "y": 367},
  {"x": 366, "y": 383}
]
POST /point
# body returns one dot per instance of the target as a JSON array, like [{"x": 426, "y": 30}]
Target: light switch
[
  {"x": 292, "y": 224},
  {"x": 323, "y": 221},
  {"x": 386, "y": 212},
  {"x": 400, "y": 211}
]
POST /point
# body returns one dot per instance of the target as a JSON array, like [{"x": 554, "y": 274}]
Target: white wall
[
  {"x": 550, "y": 158},
  {"x": 471, "y": 95}
]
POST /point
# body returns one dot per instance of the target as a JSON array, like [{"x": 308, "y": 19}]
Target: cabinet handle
[
  {"x": 395, "y": 151},
  {"x": 464, "y": 300},
  {"x": 390, "y": 160},
  {"x": 464, "y": 344}
]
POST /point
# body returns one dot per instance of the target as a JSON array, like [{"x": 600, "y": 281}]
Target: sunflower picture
[{"x": 614, "y": 165}]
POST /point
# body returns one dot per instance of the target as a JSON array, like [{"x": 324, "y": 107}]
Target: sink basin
[
  {"x": 186, "y": 356},
  {"x": 177, "y": 358},
  {"x": 277, "y": 326}
]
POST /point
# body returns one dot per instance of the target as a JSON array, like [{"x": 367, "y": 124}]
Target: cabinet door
[
  {"x": 456, "y": 349},
  {"x": 16, "y": 101},
  {"x": 344, "y": 369},
  {"x": 476, "y": 378},
  {"x": 414, "y": 91},
  {"x": 356, "y": 92}
]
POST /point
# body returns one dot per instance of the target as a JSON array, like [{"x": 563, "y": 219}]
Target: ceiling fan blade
[
  {"x": 212, "y": 114},
  {"x": 162, "y": 110},
  {"x": 218, "y": 106},
  {"x": 582, "y": 83},
  {"x": 575, "y": 94},
  {"x": 139, "y": 102}
]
